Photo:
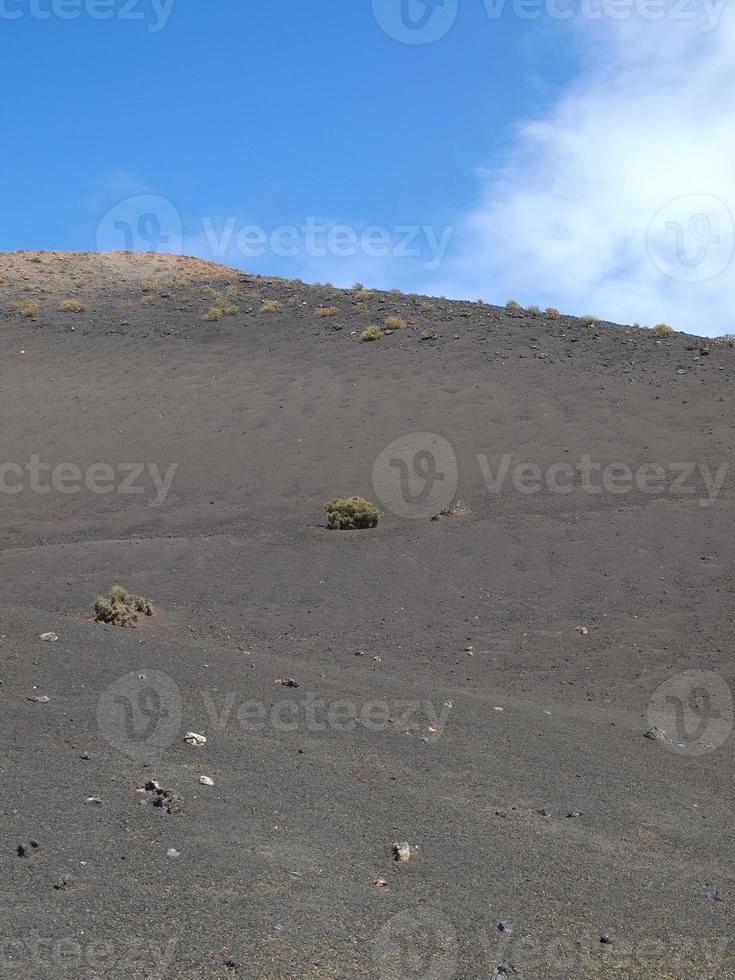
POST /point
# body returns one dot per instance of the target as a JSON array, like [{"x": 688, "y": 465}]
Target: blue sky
[{"x": 582, "y": 162}]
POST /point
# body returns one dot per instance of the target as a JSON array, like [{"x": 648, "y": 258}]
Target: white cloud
[{"x": 580, "y": 215}]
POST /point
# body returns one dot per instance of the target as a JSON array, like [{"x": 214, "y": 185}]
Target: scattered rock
[
  {"x": 505, "y": 926},
  {"x": 380, "y": 883},
  {"x": 714, "y": 896},
  {"x": 39, "y": 699},
  {"x": 606, "y": 940},
  {"x": 287, "y": 682},
  {"x": 26, "y": 850},
  {"x": 544, "y": 812},
  {"x": 94, "y": 801},
  {"x": 584, "y": 630},
  {"x": 61, "y": 884},
  {"x": 573, "y": 814},
  {"x": 192, "y": 738},
  {"x": 402, "y": 852},
  {"x": 206, "y": 781},
  {"x": 48, "y": 637},
  {"x": 173, "y": 853},
  {"x": 656, "y": 735},
  {"x": 165, "y": 799}
]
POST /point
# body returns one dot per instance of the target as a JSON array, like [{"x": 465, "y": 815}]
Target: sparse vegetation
[
  {"x": 729, "y": 339},
  {"x": 30, "y": 309},
  {"x": 358, "y": 287},
  {"x": 121, "y": 608},
  {"x": 662, "y": 330},
  {"x": 513, "y": 307},
  {"x": 212, "y": 314},
  {"x": 428, "y": 334},
  {"x": 590, "y": 320},
  {"x": 351, "y": 513},
  {"x": 270, "y": 306},
  {"x": 395, "y": 323},
  {"x": 361, "y": 307},
  {"x": 552, "y": 313},
  {"x": 426, "y": 307},
  {"x": 71, "y": 306},
  {"x": 534, "y": 310},
  {"x": 326, "y": 311},
  {"x": 372, "y": 333}
]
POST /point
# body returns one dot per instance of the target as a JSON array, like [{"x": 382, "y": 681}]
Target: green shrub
[
  {"x": 662, "y": 330},
  {"x": 213, "y": 313},
  {"x": 121, "y": 608},
  {"x": 351, "y": 513},
  {"x": 372, "y": 333}
]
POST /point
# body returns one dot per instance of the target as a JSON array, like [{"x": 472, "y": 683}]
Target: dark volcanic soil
[{"x": 446, "y": 693}]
